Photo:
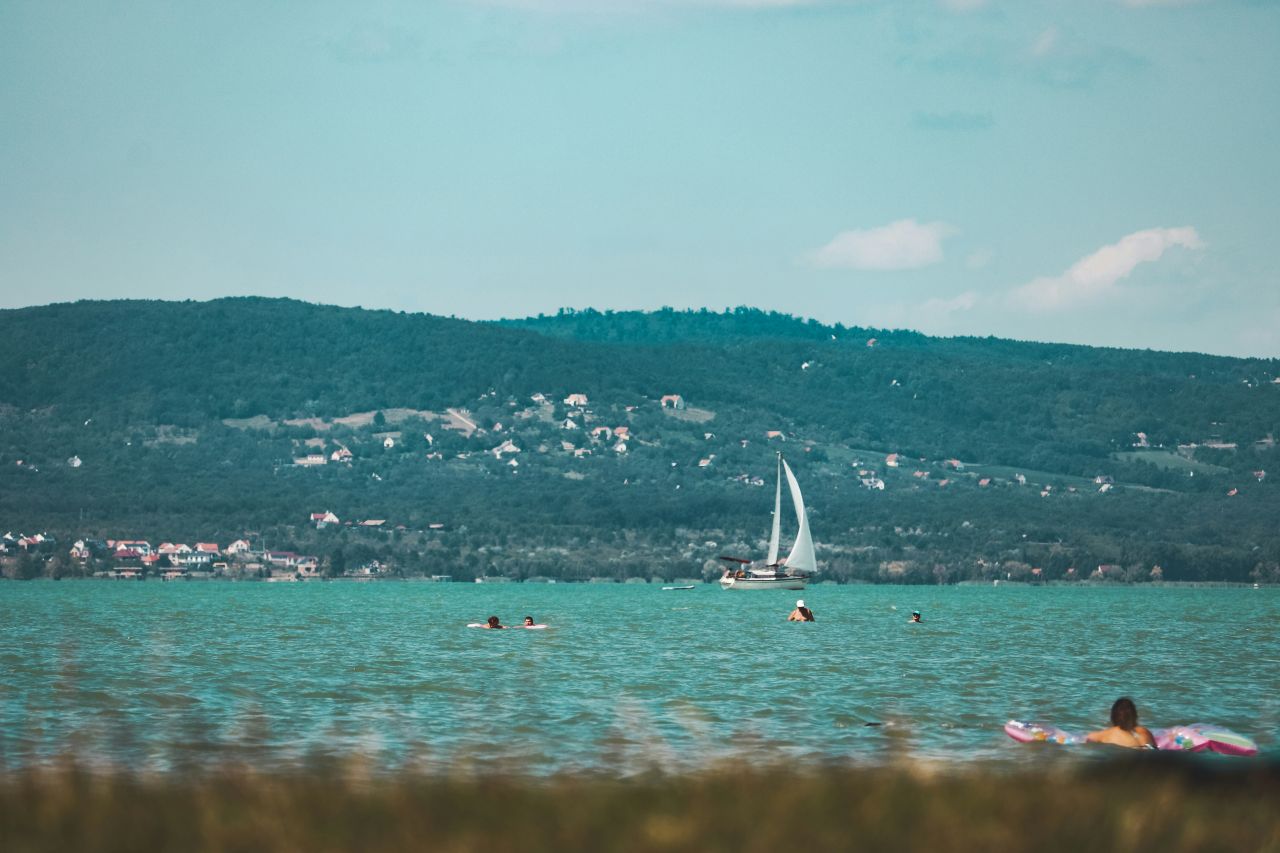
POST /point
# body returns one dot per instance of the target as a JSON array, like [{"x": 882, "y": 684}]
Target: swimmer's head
[
  {"x": 1124, "y": 714},
  {"x": 528, "y": 620},
  {"x": 494, "y": 622},
  {"x": 800, "y": 603}
]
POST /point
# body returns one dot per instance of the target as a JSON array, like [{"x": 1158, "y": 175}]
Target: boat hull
[{"x": 783, "y": 582}]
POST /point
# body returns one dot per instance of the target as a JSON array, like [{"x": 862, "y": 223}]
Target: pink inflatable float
[{"x": 1197, "y": 737}]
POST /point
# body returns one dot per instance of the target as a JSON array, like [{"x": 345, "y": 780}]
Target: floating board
[
  {"x": 508, "y": 627},
  {"x": 1197, "y": 737},
  {"x": 1041, "y": 733},
  {"x": 1201, "y": 737},
  {"x": 690, "y": 586}
]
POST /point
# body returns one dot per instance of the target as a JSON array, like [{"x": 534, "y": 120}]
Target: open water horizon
[{"x": 629, "y": 678}]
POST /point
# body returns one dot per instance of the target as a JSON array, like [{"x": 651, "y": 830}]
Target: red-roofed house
[{"x": 139, "y": 545}]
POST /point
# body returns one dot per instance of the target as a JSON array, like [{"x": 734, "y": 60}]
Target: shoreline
[{"x": 642, "y": 582}]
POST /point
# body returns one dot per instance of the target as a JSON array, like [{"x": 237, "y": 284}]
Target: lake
[{"x": 629, "y": 678}]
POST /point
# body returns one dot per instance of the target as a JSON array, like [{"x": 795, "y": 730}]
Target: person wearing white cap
[{"x": 801, "y": 613}]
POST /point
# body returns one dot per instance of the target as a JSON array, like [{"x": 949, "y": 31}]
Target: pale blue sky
[{"x": 1093, "y": 171}]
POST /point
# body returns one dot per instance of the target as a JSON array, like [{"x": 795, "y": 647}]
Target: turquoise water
[{"x": 165, "y": 676}]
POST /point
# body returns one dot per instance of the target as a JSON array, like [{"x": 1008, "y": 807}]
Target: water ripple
[{"x": 630, "y": 679}]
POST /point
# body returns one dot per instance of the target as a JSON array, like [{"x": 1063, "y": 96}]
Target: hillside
[{"x": 924, "y": 458}]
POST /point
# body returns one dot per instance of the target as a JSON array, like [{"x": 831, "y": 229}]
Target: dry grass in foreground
[{"x": 1123, "y": 805}]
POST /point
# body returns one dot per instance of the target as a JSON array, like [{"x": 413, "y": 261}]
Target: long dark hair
[{"x": 1124, "y": 714}]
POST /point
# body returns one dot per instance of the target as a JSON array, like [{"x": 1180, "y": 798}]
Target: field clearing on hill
[
  {"x": 691, "y": 414},
  {"x": 1169, "y": 460}
]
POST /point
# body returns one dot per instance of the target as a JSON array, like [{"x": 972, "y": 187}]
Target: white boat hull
[{"x": 780, "y": 582}]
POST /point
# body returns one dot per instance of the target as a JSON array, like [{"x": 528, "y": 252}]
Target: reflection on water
[{"x": 630, "y": 679}]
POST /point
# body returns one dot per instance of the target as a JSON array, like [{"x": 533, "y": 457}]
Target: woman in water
[
  {"x": 1124, "y": 730},
  {"x": 494, "y": 622}
]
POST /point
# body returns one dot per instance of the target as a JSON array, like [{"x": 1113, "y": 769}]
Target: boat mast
[{"x": 777, "y": 518}]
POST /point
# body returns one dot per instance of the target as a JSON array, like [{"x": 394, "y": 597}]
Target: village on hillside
[{"x": 663, "y": 442}]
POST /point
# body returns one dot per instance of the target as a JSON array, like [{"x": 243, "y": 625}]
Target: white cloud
[
  {"x": 902, "y": 245},
  {"x": 1095, "y": 275}
]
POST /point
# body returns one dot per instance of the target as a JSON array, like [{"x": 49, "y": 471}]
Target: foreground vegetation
[{"x": 1133, "y": 803}]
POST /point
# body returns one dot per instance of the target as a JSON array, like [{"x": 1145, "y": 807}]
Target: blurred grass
[{"x": 1123, "y": 805}]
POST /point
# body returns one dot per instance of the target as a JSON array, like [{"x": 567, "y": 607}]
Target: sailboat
[{"x": 791, "y": 573}]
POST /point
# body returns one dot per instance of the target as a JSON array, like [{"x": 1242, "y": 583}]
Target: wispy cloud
[
  {"x": 938, "y": 311},
  {"x": 1054, "y": 57},
  {"x": 373, "y": 43},
  {"x": 1094, "y": 276},
  {"x": 1148, "y": 3},
  {"x": 957, "y": 121},
  {"x": 631, "y": 6},
  {"x": 1044, "y": 43},
  {"x": 978, "y": 259},
  {"x": 901, "y": 245}
]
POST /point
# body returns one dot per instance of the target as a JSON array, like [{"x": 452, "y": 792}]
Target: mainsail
[
  {"x": 777, "y": 518},
  {"x": 802, "y": 558}
]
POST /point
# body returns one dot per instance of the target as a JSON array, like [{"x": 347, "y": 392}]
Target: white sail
[
  {"x": 802, "y": 558},
  {"x": 777, "y": 518}
]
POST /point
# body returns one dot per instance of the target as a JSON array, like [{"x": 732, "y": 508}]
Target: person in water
[
  {"x": 1124, "y": 730},
  {"x": 494, "y": 622},
  {"x": 528, "y": 621},
  {"x": 801, "y": 613},
  {"x": 915, "y": 615}
]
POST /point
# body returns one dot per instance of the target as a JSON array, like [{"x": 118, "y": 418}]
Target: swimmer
[
  {"x": 1124, "y": 730},
  {"x": 801, "y": 613},
  {"x": 528, "y": 621},
  {"x": 494, "y": 622},
  {"x": 915, "y": 616}
]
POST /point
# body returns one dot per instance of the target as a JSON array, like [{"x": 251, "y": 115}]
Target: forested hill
[
  {"x": 1000, "y": 400},
  {"x": 182, "y": 415}
]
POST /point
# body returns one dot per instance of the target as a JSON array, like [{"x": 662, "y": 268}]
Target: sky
[{"x": 1103, "y": 172}]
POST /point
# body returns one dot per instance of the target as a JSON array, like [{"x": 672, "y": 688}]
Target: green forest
[{"x": 925, "y": 460}]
